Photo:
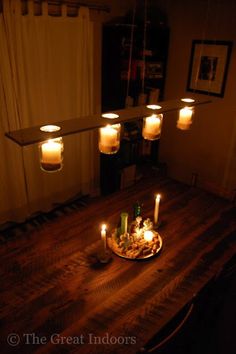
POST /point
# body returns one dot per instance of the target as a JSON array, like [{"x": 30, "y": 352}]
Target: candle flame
[
  {"x": 52, "y": 141},
  {"x": 148, "y": 236},
  {"x": 186, "y": 109},
  {"x": 154, "y": 118},
  {"x": 158, "y": 197},
  {"x": 104, "y": 227}
]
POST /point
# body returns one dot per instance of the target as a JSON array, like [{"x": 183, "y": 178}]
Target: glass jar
[
  {"x": 51, "y": 154},
  {"x": 185, "y": 118},
  {"x": 152, "y": 127},
  {"x": 109, "y": 139}
]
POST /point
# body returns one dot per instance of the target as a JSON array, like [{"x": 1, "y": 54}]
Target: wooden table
[{"x": 51, "y": 282}]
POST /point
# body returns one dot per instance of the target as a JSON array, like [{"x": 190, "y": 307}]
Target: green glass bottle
[
  {"x": 124, "y": 223},
  {"x": 137, "y": 209}
]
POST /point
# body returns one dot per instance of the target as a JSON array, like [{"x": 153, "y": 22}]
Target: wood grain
[{"x": 51, "y": 281}]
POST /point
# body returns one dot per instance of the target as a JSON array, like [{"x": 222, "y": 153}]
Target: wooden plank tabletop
[{"x": 57, "y": 298}]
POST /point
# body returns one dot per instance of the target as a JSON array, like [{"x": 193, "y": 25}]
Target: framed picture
[{"x": 208, "y": 67}]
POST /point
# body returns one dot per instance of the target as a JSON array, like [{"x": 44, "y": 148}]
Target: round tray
[{"x": 137, "y": 258}]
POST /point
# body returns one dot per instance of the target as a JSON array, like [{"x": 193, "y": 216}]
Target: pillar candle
[
  {"x": 185, "y": 118},
  {"x": 51, "y": 155},
  {"x": 51, "y": 152},
  {"x": 109, "y": 140},
  {"x": 152, "y": 127}
]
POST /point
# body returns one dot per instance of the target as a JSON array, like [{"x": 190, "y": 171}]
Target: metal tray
[{"x": 138, "y": 258}]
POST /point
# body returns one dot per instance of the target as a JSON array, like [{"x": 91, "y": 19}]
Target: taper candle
[
  {"x": 156, "y": 209},
  {"x": 104, "y": 236}
]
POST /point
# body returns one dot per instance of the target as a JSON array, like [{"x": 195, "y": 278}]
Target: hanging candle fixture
[
  {"x": 185, "y": 118},
  {"x": 33, "y": 135},
  {"x": 152, "y": 127},
  {"x": 51, "y": 155},
  {"x": 109, "y": 139}
]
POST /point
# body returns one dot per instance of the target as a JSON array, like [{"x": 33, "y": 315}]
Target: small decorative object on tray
[{"x": 139, "y": 241}]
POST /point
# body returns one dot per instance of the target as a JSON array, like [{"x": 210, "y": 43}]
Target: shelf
[{"x": 33, "y": 135}]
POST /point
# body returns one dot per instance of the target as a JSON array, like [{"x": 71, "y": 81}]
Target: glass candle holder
[
  {"x": 109, "y": 139},
  {"x": 185, "y": 118},
  {"x": 51, "y": 155},
  {"x": 152, "y": 127},
  {"x": 110, "y": 115},
  {"x": 49, "y": 128}
]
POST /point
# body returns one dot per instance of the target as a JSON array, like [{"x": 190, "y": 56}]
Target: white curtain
[{"x": 46, "y": 75}]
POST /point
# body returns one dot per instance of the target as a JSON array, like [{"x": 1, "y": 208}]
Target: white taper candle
[{"x": 156, "y": 209}]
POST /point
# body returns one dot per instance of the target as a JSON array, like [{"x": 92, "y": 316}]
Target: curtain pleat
[{"x": 46, "y": 76}]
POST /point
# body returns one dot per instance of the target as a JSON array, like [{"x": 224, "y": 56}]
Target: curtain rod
[{"x": 93, "y": 6}]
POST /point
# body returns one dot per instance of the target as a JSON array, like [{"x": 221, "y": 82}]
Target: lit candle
[
  {"x": 152, "y": 127},
  {"x": 156, "y": 209},
  {"x": 51, "y": 154},
  {"x": 185, "y": 118},
  {"x": 109, "y": 139},
  {"x": 148, "y": 236},
  {"x": 104, "y": 236}
]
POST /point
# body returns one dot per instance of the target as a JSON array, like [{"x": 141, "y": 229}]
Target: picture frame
[{"x": 208, "y": 68}]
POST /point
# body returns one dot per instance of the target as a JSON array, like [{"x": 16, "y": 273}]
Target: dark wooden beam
[{"x": 33, "y": 135}]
